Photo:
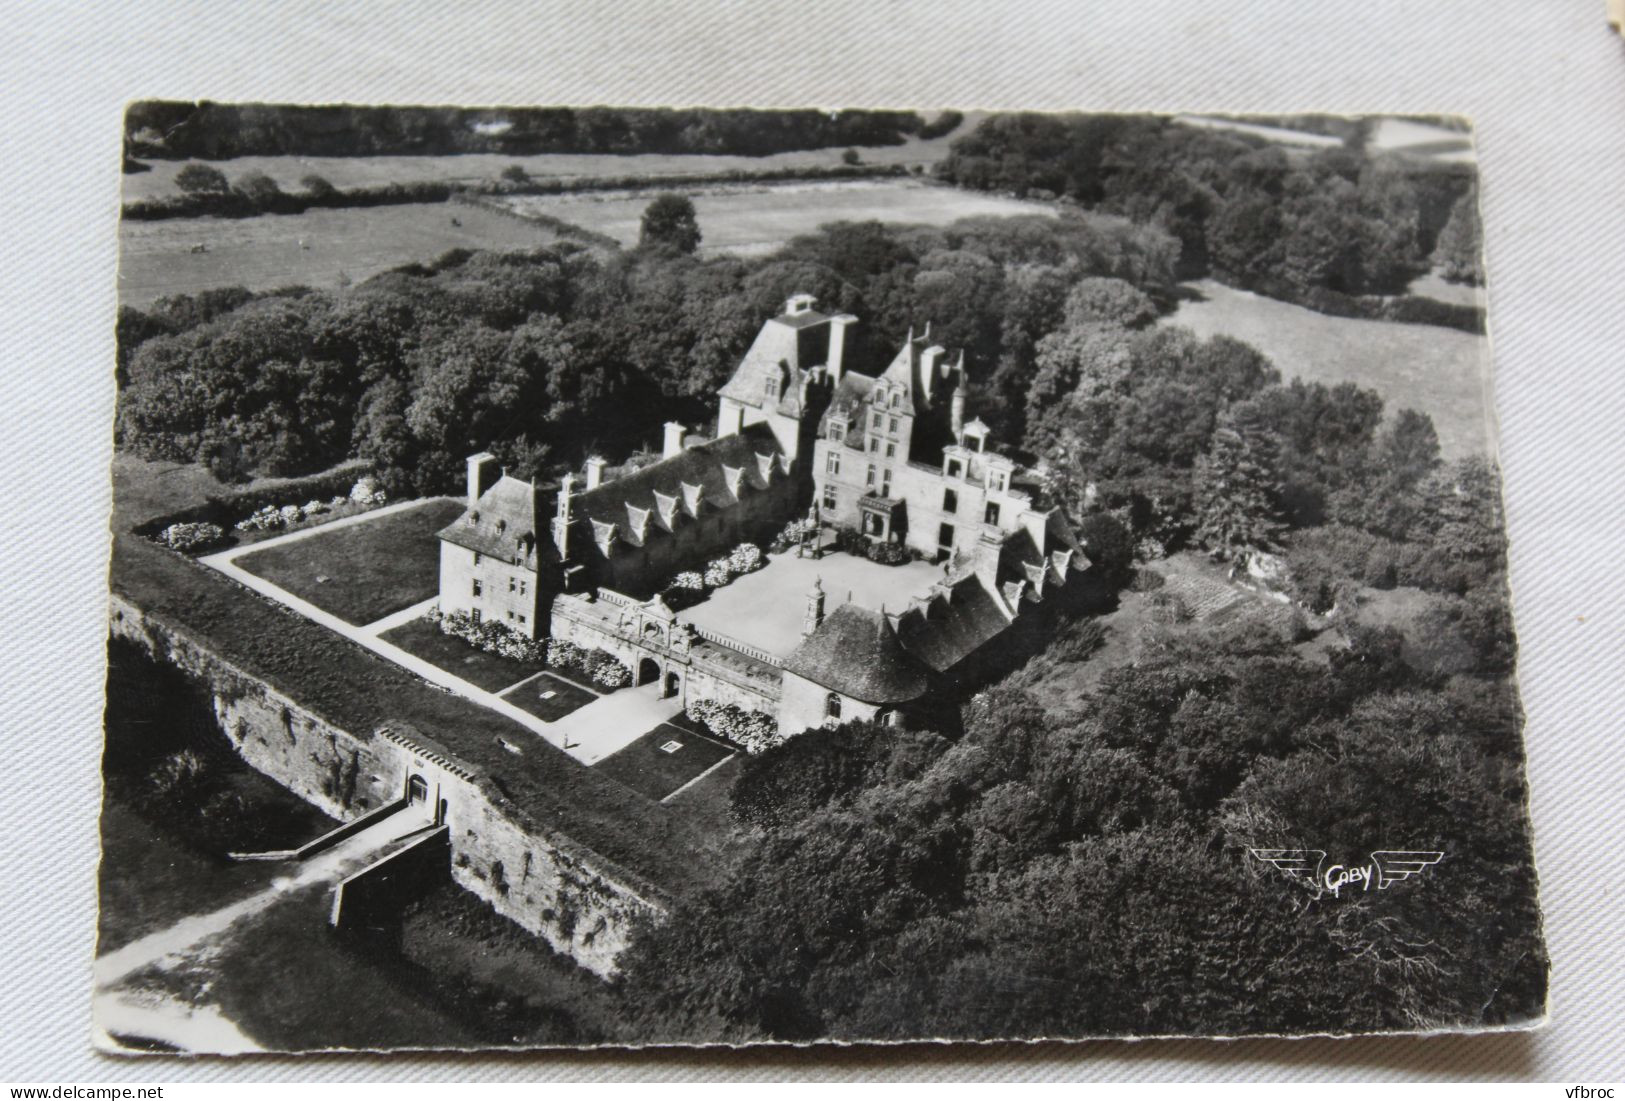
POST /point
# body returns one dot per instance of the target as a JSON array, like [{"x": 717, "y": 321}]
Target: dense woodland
[
  {"x": 214, "y": 131},
  {"x": 1302, "y": 225},
  {"x": 1039, "y": 870}
]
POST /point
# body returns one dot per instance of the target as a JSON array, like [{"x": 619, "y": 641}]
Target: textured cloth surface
[{"x": 1545, "y": 82}]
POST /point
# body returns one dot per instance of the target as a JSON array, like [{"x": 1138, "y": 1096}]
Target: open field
[
  {"x": 319, "y": 248},
  {"x": 549, "y": 697},
  {"x": 1442, "y": 372},
  {"x": 366, "y": 570},
  {"x": 766, "y": 608},
  {"x": 664, "y": 759},
  {"x": 348, "y": 172},
  {"x": 752, "y": 219},
  {"x": 492, "y": 672}
]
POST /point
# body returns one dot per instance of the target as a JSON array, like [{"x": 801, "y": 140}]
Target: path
[
  {"x": 122, "y": 1009},
  {"x": 589, "y": 734}
]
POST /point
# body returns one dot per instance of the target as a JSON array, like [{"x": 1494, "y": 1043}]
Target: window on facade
[
  {"x": 510, "y": 614},
  {"x": 874, "y": 443},
  {"x": 953, "y": 468},
  {"x": 950, "y": 501},
  {"x": 832, "y": 706},
  {"x": 521, "y": 586},
  {"x": 997, "y": 482},
  {"x": 829, "y": 498},
  {"x": 945, "y": 537},
  {"x": 870, "y": 480},
  {"x": 990, "y": 515},
  {"x": 770, "y": 387},
  {"x": 477, "y": 557},
  {"x": 479, "y": 589},
  {"x": 891, "y": 451},
  {"x": 894, "y": 425},
  {"x": 832, "y": 463},
  {"x": 521, "y": 617},
  {"x": 877, "y": 422},
  {"x": 474, "y": 615},
  {"x": 836, "y": 432},
  {"x": 896, "y": 396},
  {"x": 885, "y": 483},
  {"x": 513, "y": 584}
]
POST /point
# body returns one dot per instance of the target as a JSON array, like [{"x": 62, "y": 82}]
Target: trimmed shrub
[
  {"x": 490, "y": 636},
  {"x": 192, "y": 538},
  {"x": 752, "y": 731}
]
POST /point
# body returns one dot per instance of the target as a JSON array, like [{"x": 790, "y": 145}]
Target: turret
[{"x": 814, "y": 617}]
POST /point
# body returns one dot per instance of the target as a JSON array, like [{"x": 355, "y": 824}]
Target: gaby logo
[{"x": 1387, "y": 867}]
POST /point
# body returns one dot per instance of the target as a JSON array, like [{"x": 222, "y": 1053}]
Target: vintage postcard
[{"x": 605, "y": 576}]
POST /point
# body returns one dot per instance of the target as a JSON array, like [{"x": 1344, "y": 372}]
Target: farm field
[
  {"x": 749, "y": 220},
  {"x": 1442, "y": 372},
  {"x": 363, "y": 571},
  {"x": 347, "y": 172},
  {"x": 319, "y": 248}
]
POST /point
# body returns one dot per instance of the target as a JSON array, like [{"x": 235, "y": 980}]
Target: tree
[
  {"x": 1236, "y": 490},
  {"x": 201, "y": 179},
  {"x": 515, "y": 173},
  {"x": 669, "y": 223},
  {"x": 1108, "y": 301},
  {"x": 851, "y": 157},
  {"x": 259, "y": 189},
  {"x": 317, "y": 187},
  {"x": 1459, "y": 251},
  {"x": 1108, "y": 543}
]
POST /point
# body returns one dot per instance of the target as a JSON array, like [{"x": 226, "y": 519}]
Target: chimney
[
  {"x": 674, "y": 439},
  {"x": 483, "y": 472},
  {"x": 798, "y": 304},
  {"x": 814, "y": 617},
  {"x": 839, "y": 325},
  {"x": 928, "y": 369},
  {"x": 565, "y": 515},
  {"x": 595, "y": 472},
  {"x": 956, "y": 413}
]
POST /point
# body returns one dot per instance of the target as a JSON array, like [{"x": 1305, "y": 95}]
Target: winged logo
[{"x": 1387, "y": 867}]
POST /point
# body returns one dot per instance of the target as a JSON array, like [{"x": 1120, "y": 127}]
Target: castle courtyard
[{"x": 767, "y": 609}]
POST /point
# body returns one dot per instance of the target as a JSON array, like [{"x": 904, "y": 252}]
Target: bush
[
  {"x": 745, "y": 558},
  {"x": 752, "y": 731},
  {"x": 794, "y": 533},
  {"x": 889, "y": 554},
  {"x": 490, "y": 636},
  {"x": 717, "y": 573},
  {"x": 192, "y": 538},
  {"x": 609, "y": 673}
]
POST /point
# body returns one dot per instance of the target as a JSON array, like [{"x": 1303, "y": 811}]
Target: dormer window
[{"x": 953, "y": 468}]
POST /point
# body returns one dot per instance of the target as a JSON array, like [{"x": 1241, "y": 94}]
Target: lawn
[
  {"x": 767, "y": 608},
  {"x": 319, "y": 248},
  {"x": 1442, "y": 372},
  {"x": 663, "y": 760},
  {"x": 549, "y": 697},
  {"x": 752, "y": 219},
  {"x": 362, "y": 571},
  {"x": 492, "y": 672}
]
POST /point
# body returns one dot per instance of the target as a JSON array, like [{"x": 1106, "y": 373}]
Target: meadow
[
  {"x": 319, "y": 248},
  {"x": 755, "y": 219},
  {"x": 347, "y": 172},
  {"x": 1442, "y": 372}
]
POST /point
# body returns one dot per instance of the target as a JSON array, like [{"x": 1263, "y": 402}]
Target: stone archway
[
  {"x": 648, "y": 670},
  {"x": 674, "y": 685}
]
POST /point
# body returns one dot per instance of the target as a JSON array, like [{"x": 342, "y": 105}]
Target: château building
[{"x": 799, "y": 432}]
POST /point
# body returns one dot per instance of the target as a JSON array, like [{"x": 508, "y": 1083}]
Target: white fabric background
[{"x": 1544, "y": 80}]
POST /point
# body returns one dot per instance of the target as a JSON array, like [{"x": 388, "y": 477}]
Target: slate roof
[
  {"x": 857, "y": 653},
  {"x": 503, "y": 524},
  {"x": 954, "y": 621},
  {"x": 620, "y": 501},
  {"x": 785, "y": 346}
]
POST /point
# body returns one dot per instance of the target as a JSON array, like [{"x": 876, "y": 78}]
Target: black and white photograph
[{"x": 626, "y": 576}]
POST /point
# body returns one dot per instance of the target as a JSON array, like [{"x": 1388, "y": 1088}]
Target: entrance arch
[
  {"x": 648, "y": 670},
  {"x": 417, "y": 789},
  {"x": 674, "y": 685}
]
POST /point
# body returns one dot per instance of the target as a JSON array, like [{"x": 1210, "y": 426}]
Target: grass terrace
[
  {"x": 363, "y": 571},
  {"x": 766, "y": 609},
  {"x": 665, "y": 759},
  {"x": 549, "y": 697},
  {"x": 492, "y": 672}
]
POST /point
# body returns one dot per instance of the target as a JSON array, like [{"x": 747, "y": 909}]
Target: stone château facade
[{"x": 799, "y": 432}]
